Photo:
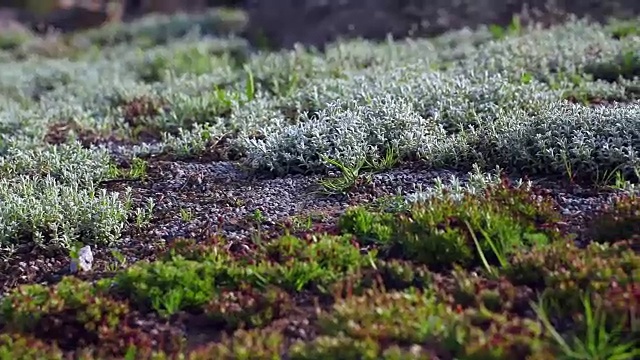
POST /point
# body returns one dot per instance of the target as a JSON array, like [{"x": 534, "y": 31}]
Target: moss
[
  {"x": 502, "y": 337},
  {"x": 341, "y": 347},
  {"x": 462, "y": 289},
  {"x": 566, "y": 272},
  {"x": 441, "y": 232},
  {"x": 35, "y": 308},
  {"x": 625, "y": 65},
  {"x": 297, "y": 264},
  {"x": 622, "y": 306},
  {"x": 400, "y": 275},
  {"x": 73, "y": 315},
  {"x": 178, "y": 283},
  {"x": 623, "y": 29},
  {"x": 212, "y": 249},
  {"x": 15, "y": 346},
  {"x": 248, "y": 307},
  {"x": 171, "y": 286},
  {"x": 618, "y": 221},
  {"x": 411, "y": 316},
  {"x": 254, "y": 344},
  {"x": 11, "y": 40}
]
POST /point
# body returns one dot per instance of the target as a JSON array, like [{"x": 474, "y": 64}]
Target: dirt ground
[{"x": 282, "y": 23}]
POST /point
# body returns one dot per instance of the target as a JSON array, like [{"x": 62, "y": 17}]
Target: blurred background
[{"x": 282, "y": 23}]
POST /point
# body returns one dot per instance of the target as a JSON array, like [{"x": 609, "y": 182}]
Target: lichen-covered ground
[{"x": 471, "y": 196}]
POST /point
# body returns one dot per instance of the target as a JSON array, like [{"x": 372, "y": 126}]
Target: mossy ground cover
[{"x": 244, "y": 204}]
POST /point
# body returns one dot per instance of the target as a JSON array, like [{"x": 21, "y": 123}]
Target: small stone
[{"x": 84, "y": 260}]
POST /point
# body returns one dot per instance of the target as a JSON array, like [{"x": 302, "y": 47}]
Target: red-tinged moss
[
  {"x": 400, "y": 275},
  {"x": 524, "y": 204},
  {"x": 392, "y": 275},
  {"x": 248, "y": 307},
  {"x": 326, "y": 348},
  {"x": 252, "y": 344},
  {"x": 565, "y": 272},
  {"x": 71, "y": 312},
  {"x": 463, "y": 290},
  {"x": 145, "y": 340},
  {"x": 74, "y": 315},
  {"x": 502, "y": 337},
  {"x": 141, "y": 107},
  {"x": 618, "y": 221},
  {"x": 212, "y": 249},
  {"x": 622, "y": 305},
  {"x": 341, "y": 347},
  {"x": 16, "y": 346},
  {"x": 406, "y": 317},
  {"x": 413, "y": 352},
  {"x": 138, "y": 114}
]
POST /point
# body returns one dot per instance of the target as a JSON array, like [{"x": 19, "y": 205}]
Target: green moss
[
  {"x": 189, "y": 274},
  {"x": 296, "y": 264},
  {"x": 10, "y": 40},
  {"x": 440, "y": 232},
  {"x": 182, "y": 61},
  {"x": 623, "y": 29},
  {"x": 171, "y": 286},
  {"x": 626, "y": 65},
  {"x": 400, "y": 275}
]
